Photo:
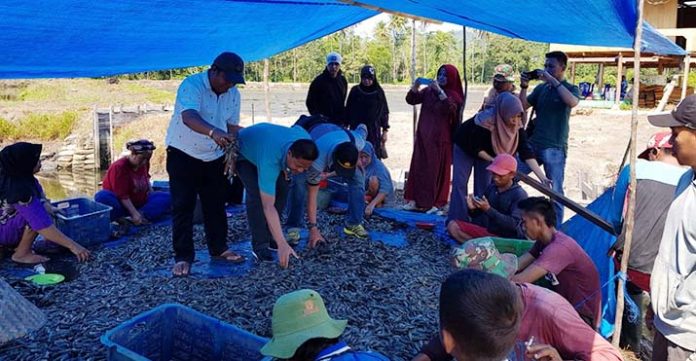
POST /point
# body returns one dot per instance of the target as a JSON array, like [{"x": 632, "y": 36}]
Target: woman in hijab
[
  {"x": 24, "y": 212},
  {"x": 367, "y": 105},
  {"x": 127, "y": 187},
  {"x": 479, "y": 140},
  {"x": 379, "y": 189},
  {"x": 427, "y": 187}
]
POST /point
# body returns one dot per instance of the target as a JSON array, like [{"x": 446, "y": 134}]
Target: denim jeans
[
  {"x": 297, "y": 199},
  {"x": 553, "y": 160},
  {"x": 463, "y": 164},
  {"x": 157, "y": 205}
]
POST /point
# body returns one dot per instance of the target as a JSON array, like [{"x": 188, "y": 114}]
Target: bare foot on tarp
[
  {"x": 30, "y": 258},
  {"x": 229, "y": 256},
  {"x": 181, "y": 269}
]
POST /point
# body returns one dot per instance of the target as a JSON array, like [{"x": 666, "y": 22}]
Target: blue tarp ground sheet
[
  {"x": 596, "y": 242},
  {"x": 72, "y": 38}
]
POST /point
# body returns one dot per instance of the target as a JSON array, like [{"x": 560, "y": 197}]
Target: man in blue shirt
[
  {"x": 268, "y": 155},
  {"x": 338, "y": 156}
]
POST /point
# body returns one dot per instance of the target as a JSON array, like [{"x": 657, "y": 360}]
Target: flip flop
[
  {"x": 221, "y": 258},
  {"x": 183, "y": 274}
]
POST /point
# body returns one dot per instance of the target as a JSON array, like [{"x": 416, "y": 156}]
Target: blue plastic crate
[
  {"x": 85, "y": 221},
  {"x": 176, "y": 332}
]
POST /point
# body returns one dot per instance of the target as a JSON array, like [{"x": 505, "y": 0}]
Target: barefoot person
[
  {"x": 24, "y": 213},
  {"x": 205, "y": 117}
]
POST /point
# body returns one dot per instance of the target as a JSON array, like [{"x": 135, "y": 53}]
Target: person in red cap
[
  {"x": 657, "y": 175},
  {"x": 673, "y": 278},
  {"x": 496, "y": 212}
]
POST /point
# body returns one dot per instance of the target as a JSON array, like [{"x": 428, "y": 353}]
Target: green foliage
[
  {"x": 121, "y": 137},
  {"x": 152, "y": 94},
  {"x": 7, "y": 129},
  {"x": 39, "y": 126},
  {"x": 692, "y": 79}
]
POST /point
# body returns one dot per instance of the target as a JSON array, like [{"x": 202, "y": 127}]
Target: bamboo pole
[
  {"x": 619, "y": 73},
  {"x": 630, "y": 213},
  {"x": 413, "y": 70},
  {"x": 266, "y": 90},
  {"x": 685, "y": 81}
]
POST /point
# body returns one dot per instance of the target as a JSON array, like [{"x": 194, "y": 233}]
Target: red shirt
[
  {"x": 552, "y": 320},
  {"x": 126, "y": 182},
  {"x": 572, "y": 274}
]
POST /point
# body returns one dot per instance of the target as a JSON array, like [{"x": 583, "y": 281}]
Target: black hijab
[
  {"x": 17, "y": 163},
  {"x": 368, "y": 71}
]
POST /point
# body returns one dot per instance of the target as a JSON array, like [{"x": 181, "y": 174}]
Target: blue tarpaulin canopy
[{"x": 76, "y": 38}]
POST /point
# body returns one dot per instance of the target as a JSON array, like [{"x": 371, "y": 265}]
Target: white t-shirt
[{"x": 195, "y": 93}]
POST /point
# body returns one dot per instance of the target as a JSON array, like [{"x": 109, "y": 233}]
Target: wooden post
[
  {"x": 111, "y": 134},
  {"x": 600, "y": 78},
  {"x": 95, "y": 130},
  {"x": 266, "y": 91},
  {"x": 685, "y": 81},
  {"x": 572, "y": 73},
  {"x": 630, "y": 212},
  {"x": 413, "y": 70},
  {"x": 619, "y": 73}
]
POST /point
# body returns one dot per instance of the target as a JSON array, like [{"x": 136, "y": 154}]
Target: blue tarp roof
[{"x": 77, "y": 38}]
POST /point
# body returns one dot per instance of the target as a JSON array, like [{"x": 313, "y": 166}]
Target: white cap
[{"x": 333, "y": 57}]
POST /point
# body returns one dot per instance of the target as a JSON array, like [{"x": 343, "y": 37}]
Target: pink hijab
[{"x": 504, "y": 136}]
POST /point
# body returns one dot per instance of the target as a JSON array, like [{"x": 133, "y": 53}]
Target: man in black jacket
[{"x": 327, "y": 93}]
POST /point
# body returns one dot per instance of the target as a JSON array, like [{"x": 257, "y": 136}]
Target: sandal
[{"x": 229, "y": 256}]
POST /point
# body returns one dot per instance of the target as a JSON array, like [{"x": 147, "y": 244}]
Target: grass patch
[
  {"x": 152, "y": 127},
  {"x": 39, "y": 126},
  {"x": 151, "y": 94},
  {"x": 43, "y": 91}
]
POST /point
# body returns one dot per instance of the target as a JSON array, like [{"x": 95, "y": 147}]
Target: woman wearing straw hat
[{"x": 304, "y": 331}]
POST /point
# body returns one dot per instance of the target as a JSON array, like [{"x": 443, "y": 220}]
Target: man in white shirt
[
  {"x": 673, "y": 280},
  {"x": 205, "y": 120}
]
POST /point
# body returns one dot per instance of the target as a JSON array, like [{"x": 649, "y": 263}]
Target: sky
[{"x": 365, "y": 28}]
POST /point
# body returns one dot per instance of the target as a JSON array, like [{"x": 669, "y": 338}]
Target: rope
[{"x": 632, "y": 308}]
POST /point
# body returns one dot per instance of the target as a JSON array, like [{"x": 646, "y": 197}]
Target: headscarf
[
  {"x": 453, "y": 88},
  {"x": 17, "y": 163},
  {"x": 368, "y": 71},
  {"x": 504, "y": 136},
  {"x": 140, "y": 146}
]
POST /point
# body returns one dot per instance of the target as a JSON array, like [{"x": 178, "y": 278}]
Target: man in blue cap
[{"x": 205, "y": 121}]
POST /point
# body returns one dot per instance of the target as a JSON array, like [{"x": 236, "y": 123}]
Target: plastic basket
[
  {"x": 176, "y": 332},
  {"x": 85, "y": 221},
  {"x": 517, "y": 247},
  {"x": 18, "y": 316}
]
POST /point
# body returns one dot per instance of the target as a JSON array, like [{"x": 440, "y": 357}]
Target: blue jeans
[
  {"x": 463, "y": 164},
  {"x": 553, "y": 160},
  {"x": 158, "y": 204},
  {"x": 297, "y": 199}
]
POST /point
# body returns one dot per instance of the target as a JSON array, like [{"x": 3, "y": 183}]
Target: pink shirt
[
  {"x": 552, "y": 320},
  {"x": 572, "y": 274}
]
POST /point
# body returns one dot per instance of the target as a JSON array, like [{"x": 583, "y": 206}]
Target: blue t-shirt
[
  {"x": 327, "y": 137},
  {"x": 342, "y": 352},
  {"x": 265, "y": 145}
]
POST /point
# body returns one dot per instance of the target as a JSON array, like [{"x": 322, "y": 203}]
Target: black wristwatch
[{"x": 311, "y": 225}]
